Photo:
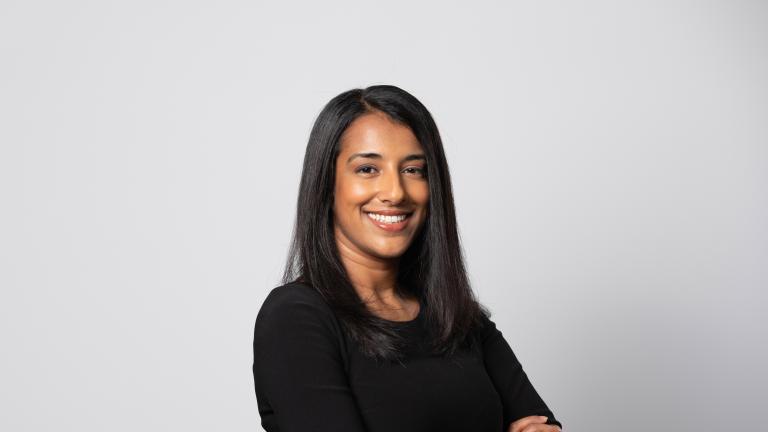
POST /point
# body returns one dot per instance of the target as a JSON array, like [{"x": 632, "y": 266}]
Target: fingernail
[{"x": 543, "y": 417}]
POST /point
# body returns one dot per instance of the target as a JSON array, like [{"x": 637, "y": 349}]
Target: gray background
[{"x": 609, "y": 162}]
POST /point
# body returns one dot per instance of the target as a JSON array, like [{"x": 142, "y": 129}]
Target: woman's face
[{"x": 380, "y": 176}]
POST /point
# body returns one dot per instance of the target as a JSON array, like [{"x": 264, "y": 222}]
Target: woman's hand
[{"x": 532, "y": 424}]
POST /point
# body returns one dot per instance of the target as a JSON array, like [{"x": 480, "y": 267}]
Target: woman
[{"x": 375, "y": 327}]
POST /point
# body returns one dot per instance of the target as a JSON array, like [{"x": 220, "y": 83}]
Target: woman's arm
[
  {"x": 297, "y": 367},
  {"x": 518, "y": 396}
]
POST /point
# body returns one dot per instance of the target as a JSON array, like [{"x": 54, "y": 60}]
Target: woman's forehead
[{"x": 377, "y": 132}]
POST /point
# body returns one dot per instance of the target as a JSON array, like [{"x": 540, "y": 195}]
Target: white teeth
[{"x": 387, "y": 219}]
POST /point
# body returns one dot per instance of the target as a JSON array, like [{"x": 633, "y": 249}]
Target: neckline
[{"x": 410, "y": 322}]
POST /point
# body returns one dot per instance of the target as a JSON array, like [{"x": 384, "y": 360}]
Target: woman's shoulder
[
  {"x": 484, "y": 327},
  {"x": 295, "y": 321},
  {"x": 291, "y": 293},
  {"x": 292, "y": 301}
]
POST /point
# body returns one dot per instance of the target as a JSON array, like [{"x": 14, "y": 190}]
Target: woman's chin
[{"x": 390, "y": 252}]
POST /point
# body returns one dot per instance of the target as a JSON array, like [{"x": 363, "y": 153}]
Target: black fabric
[{"x": 309, "y": 377}]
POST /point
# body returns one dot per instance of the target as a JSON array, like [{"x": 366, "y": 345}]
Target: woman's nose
[{"x": 391, "y": 188}]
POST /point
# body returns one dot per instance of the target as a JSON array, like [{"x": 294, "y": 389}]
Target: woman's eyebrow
[{"x": 410, "y": 157}]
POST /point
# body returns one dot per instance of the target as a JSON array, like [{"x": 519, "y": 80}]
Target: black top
[{"x": 310, "y": 377}]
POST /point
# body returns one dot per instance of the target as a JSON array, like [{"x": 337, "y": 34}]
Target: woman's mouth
[{"x": 389, "y": 223}]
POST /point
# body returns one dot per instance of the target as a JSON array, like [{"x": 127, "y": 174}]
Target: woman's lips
[{"x": 391, "y": 227}]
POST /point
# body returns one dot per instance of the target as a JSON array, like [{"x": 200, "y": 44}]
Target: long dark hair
[{"x": 432, "y": 268}]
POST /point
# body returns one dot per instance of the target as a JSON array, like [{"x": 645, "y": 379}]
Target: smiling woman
[
  {"x": 374, "y": 326},
  {"x": 381, "y": 192}
]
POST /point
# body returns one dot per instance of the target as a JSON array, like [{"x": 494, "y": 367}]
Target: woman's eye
[
  {"x": 367, "y": 169},
  {"x": 420, "y": 171},
  {"x": 364, "y": 168}
]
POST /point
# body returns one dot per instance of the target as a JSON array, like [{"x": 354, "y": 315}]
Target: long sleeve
[
  {"x": 299, "y": 376},
  {"x": 519, "y": 397}
]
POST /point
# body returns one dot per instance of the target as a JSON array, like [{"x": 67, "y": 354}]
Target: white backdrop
[{"x": 609, "y": 159}]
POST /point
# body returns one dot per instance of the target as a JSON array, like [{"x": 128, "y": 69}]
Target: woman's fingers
[
  {"x": 520, "y": 424},
  {"x": 538, "y": 427}
]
